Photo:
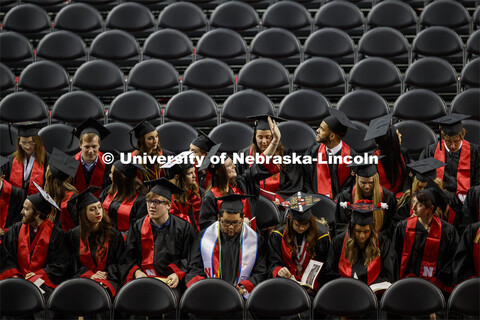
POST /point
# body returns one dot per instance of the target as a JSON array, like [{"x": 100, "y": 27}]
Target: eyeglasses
[
  {"x": 227, "y": 224},
  {"x": 156, "y": 203}
]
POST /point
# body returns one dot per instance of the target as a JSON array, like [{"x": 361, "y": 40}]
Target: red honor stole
[
  {"x": 383, "y": 176},
  {"x": 476, "y": 255},
  {"x": 16, "y": 176},
  {"x": 430, "y": 251},
  {"x": 123, "y": 212},
  {"x": 302, "y": 258},
  {"x": 148, "y": 248},
  {"x": 463, "y": 171},
  {"x": 31, "y": 256},
  {"x": 65, "y": 218},
  {"x": 272, "y": 183},
  {"x": 183, "y": 211},
  {"x": 5, "y": 202},
  {"x": 324, "y": 180},
  {"x": 97, "y": 175},
  {"x": 246, "y": 207},
  {"x": 345, "y": 267}
]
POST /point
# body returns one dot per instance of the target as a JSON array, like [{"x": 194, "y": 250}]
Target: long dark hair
[
  {"x": 102, "y": 235},
  {"x": 181, "y": 182},
  {"x": 371, "y": 250},
  {"x": 311, "y": 235},
  {"x": 126, "y": 188},
  {"x": 389, "y": 146}
]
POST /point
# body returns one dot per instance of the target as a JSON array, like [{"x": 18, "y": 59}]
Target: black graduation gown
[
  {"x": 247, "y": 182},
  {"x": 406, "y": 179},
  {"x": 116, "y": 248},
  {"x": 15, "y": 205},
  {"x": 471, "y": 209},
  {"x": 463, "y": 261},
  {"x": 139, "y": 209},
  {"x": 172, "y": 244},
  {"x": 275, "y": 258},
  {"x": 451, "y": 159},
  {"x": 342, "y": 216},
  {"x": 229, "y": 263},
  {"x": 291, "y": 177},
  {"x": 310, "y": 173},
  {"x": 57, "y": 261},
  {"x": 448, "y": 245},
  {"x": 8, "y": 168},
  {"x": 387, "y": 260}
]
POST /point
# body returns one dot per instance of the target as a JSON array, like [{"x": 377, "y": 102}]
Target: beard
[
  {"x": 324, "y": 140},
  {"x": 28, "y": 220}
]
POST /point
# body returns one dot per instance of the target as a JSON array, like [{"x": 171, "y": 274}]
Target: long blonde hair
[
  {"x": 352, "y": 248},
  {"x": 376, "y": 199}
]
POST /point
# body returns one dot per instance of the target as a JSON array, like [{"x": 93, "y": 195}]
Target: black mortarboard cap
[
  {"x": 436, "y": 195},
  {"x": 91, "y": 126},
  {"x": 42, "y": 200},
  {"x": 338, "y": 122},
  {"x": 207, "y": 160},
  {"x": 261, "y": 121},
  {"x": 3, "y": 162},
  {"x": 378, "y": 127},
  {"x": 300, "y": 205},
  {"x": 452, "y": 123},
  {"x": 85, "y": 198},
  {"x": 178, "y": 164},
  {"x": 426, "y": 168},
  {"x": 362, "y": 213},
  {"x": 164, "y": 188},
  {"x": 203, "y": 141},
  {"x": 62, "y": 165},
  {"x": 233, "y": 202},
  {"x": 129, "y": 170},
  {"x": 29, "y": 128},
  {"x": 142, "y": 128},
  {"x": 365, "y": 170}
]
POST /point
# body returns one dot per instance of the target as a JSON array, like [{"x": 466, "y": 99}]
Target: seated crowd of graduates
[{"x": 64, "y": 217}]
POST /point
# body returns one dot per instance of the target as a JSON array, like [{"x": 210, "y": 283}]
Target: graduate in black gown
[
  {"x": 199, "y": 148},
  {"x": 462, "y": 157},
  {"x": 367, "y": 188},
  {"x": 361, "y": 252},
  {"x": 329, "y": 179},
  {"x": 225, "y": 180},
  {"x": 35, "y": 247},
  {"x": 303, "y": 238},
  {"x": 97, "y": 246},
  {"x": 158, "y": 244},
  {"x": 290, "y": 178},
  {"x": 466, "y": 262},
  {"x": 471, "y": 208},
  {"x": 218, "y": 250},
  {"x": 424, "y": 243},
  {"x": 11, "y": 200}
]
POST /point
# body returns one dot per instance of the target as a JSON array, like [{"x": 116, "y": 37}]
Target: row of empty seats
[
  {"x": 273, "y": 298},
  {"x": 239, "y": 16}
]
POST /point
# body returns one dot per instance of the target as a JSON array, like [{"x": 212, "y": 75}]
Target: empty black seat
[
  {"x": 278, "y": 44},
  {"x": 342, "y": 15},
  {"x": 222, "y": 44},
  {"x": 176, "y": 137},
  {"x": 118, "y": 139},
  {"x": 23, "y": 106},
  {"x": 289, "y": 15},
  {"x": 419, "y": 104},
  {"x": 467, "y": 102},
  {"x": 304, "y": 105},
  {"x": 297, "y": 135},
  {"x": 116, "y": 46},
  {"x": 101, "y": 5},
  {"x": 46, "y": 78},
  {"x": 132, "y": 17},
  {"x": 28, "y": 19},
  {"x": 170, "y": 45},
  {"x": 246, "y": 103},
  {"x": 472, "y": 49},
  {"x": 59, "y": 135},
  {"x": 464, "y": 298},
  {"x": 232, "y": 135},
  {"x": 194, "y": 107},
  {"x": 265, "y": 75},
  {"x": 438, "y": 41},
  {"x": 185, "y": 17},
  {"x": 432, "y": 73},
  {"x": 363, "y": 105},
  {"x": 266, "y": 213},
  {"x": 76, "y": 107},
  {"x": 326, "y": 209},
  {"x": 133, "y": 107},
  {"x": 470, "y": 77},
  {"x": 473, "y": 130},
  {"x": 415, "y": 136},
  {"x": 384, "y": 42},
  {"x": 15, "y": 49},
  {"x": 20, "y": 298},
  {"x": 331, "y": 43},
  {"x": 64, "y": 47},
  {"x": 80, "y": 18},
  {"x": 210, "y": 75},
  {"x": 394, "y": 14},
  {"x": 331, "y": 81},
  {"x": 154, "y": 76},
  {"x": 237, "y": 16},
  {"x": 7, "y": 146},
  {"x": 7, "y": 80},
  {"x": 447, "y": 13}
]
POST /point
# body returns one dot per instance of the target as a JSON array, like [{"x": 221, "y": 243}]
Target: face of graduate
[
  {"x": 453, "y": 143},
  {"x": 90, "y": 150},
  {"x": 421, "y": 185},
  {"x": 157, "y": 208},
  {"x": 300, "y": 227},
  {"x": 94, "y": 213},
  {"x": 190, "y": 177},
  {"x": 28, "y": 145},
  {"x": 362, "y": 233},
  {"x": 323, "y": 133},
  {"x": 230, "y": 167},
  {"x": 399, "y": 137},
  {"x": 28, "y": 212},
  {"x": 151, "y": 140},
  {"x": 197, "y": 152},
  {"x": 366, "y": 184},
  {"x": 263, "y": 138},
  {"x": 420, "y": 210},
  {"x": 230, "y": 224}
]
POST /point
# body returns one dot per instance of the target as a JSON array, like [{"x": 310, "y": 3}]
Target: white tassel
[
  {"x": 384, "y": 205},
  {"x": 344, "y": 204}
]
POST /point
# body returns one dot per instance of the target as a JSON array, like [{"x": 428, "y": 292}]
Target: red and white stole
[
  {"x": 210, "y": 247},
  {"x": 302, "y": 258}
]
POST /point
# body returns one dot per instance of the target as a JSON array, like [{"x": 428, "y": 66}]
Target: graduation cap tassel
[
  {"x": 10, "y": 132},
  {"x": 71, "y": 138}
]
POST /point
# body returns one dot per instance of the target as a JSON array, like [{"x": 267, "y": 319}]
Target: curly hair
[{"x": 352, "y": 248}]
